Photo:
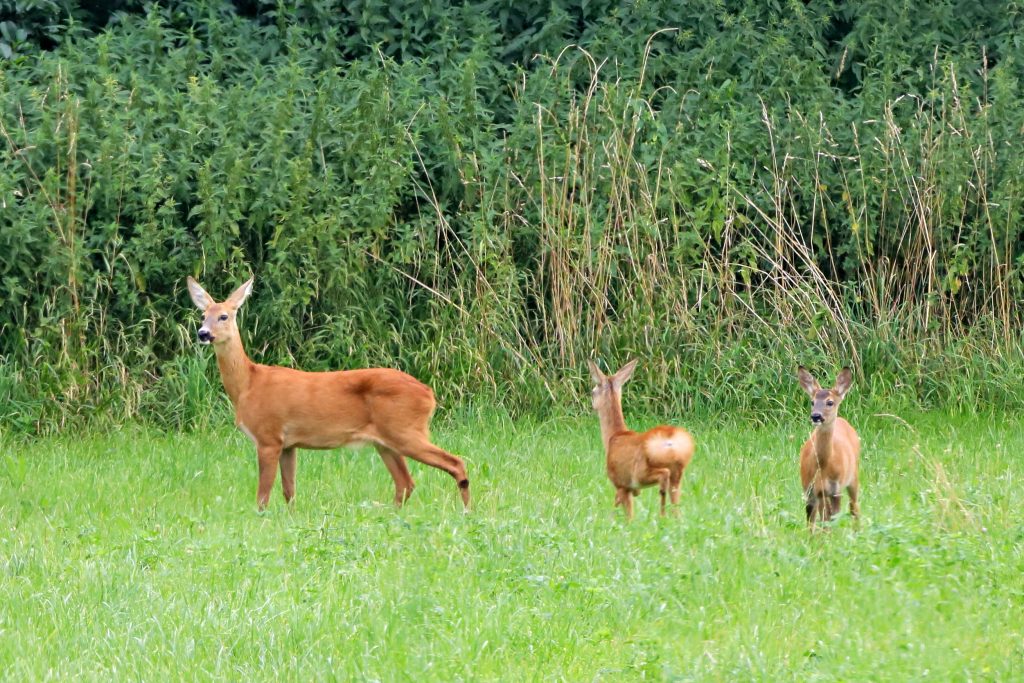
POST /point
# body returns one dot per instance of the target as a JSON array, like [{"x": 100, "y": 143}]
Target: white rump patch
[{"x": 667, "y": 444}]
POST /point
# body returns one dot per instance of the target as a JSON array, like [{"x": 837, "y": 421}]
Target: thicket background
[{"x": 486, "y": 193}]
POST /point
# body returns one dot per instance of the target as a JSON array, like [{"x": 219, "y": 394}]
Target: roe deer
[
  {"x": 282, "y": 409},
  {"x": 828, "y": 459},
  {"x": 658, "y": 456}
]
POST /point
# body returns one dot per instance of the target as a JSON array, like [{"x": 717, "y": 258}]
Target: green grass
[{"x": 134, "y": 555}]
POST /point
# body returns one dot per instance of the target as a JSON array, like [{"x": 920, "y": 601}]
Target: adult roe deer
[
  {"x": 282, "y": 409},
  {"x": 635, "y": 461},
  {"x": 828, "y": 459}
]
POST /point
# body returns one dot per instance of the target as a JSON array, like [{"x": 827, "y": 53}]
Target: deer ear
[
  {"x": 843, "y": 382},
  {"x": 809, "y": 384},
  {"x": 595, "y": 372},
  {"x": 200, "y": 298},
  {"x": 624, "y": 373},
  {"x": 239, "y": 296}
]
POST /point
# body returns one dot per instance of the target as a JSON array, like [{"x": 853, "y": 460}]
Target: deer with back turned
[
  {"x": 282, "y": 410},
  {"x": 634, "y": 460},
  {"x": 828, "y": 459}
]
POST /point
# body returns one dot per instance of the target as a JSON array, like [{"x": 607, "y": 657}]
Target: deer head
[
  {"x": 219, "y": 324},
  {"x": 607, "y": 391},
  {"x": 825, "y": 402}
]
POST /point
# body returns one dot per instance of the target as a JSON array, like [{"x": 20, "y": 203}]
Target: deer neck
[
  {"x": 822, "y": 442},
  {"x": 612, "y": 422},
  {"x": 235, "y": 368}
]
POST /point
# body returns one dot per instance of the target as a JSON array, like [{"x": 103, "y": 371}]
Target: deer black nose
[
  {"x": 205, "y": 336},
  {"x": 817, "y": 418}
]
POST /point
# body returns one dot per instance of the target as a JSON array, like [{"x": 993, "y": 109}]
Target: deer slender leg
[
  {"x": 399, "y": 472},
  {"x": 674, "y": 484},
  {"x": 627, "y": 503},
  {"x": 289, "y": 460},
  {"x": 620, "y": 497},
  {"x": 853, "y": 490},
  {"x": 268, "y": 457},
  {"x": 661, "y": 477},
  {"x": 423, "y": 451}
]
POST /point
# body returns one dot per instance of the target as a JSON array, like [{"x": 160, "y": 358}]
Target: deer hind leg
[
  {"x": 660, "y": 476},
  {"x": 663, "y": 488},
  {"x": 289, "y": 460},
  {"x": 674, "y": 484},
  {"x": 421, "y": 450},
  {"x": 399, "y": 472},
  {"x": 268, "y": 457}
]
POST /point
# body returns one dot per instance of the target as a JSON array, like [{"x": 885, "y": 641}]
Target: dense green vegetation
[
  {"x": 487, "y": 193},
  {"x": 139, "y": 556}
]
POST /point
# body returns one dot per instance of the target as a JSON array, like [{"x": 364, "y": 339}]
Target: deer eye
[
  {"x": 223, "y": 316},
  {"x": 830, "y": 403}
]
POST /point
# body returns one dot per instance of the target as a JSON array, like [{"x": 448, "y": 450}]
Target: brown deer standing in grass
[
  {"x": 635, "y": 461},
  {"x": 828, "y": 459},
  {"x": 282, "y": 409}
]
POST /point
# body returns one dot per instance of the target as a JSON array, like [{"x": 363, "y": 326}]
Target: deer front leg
[
  {"x": 289, "y": 460},
  {"x": 813, "y": 506},
  {"x": 268, "y": 457},
  {"x": 853, "y": 489},
  {"x": 834, "y": 503},
  {"x": 833, "y": 500},
  {"x": 627, "y": 503}
]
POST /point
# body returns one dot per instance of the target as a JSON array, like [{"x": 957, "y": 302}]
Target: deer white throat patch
[{"x": 245, "y": 430}]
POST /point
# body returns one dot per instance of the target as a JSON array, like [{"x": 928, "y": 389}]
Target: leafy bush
[{"x": 486, "y": 194}]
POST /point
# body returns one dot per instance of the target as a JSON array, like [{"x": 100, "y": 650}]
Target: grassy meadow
[{"x": 139, "y": 555}]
